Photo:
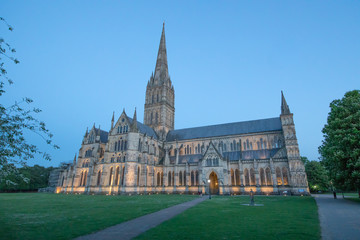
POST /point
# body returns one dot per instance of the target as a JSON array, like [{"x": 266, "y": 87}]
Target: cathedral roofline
[{"x": 235, "y": 128}]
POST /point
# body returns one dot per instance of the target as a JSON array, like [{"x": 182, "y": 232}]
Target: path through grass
[
  {"x": 226, "y": 218},
  {"x": 61, "y": 216}
]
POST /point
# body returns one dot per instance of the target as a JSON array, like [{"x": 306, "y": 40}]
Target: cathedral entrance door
[{"x": 214, "y": 184}]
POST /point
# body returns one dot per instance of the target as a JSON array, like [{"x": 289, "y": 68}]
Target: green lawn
[
  {"x": 59, "y": 216},
  {"x": 352, "y": 197},
  {"x": 226, "y": 218}
]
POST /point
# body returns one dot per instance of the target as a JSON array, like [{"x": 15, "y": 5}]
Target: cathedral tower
[
  {"x": 159, "y": 107},
  {"x": 296, "y": 166}
]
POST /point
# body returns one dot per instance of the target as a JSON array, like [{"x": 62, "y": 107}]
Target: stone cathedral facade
[{"x": 152, "y": 157}]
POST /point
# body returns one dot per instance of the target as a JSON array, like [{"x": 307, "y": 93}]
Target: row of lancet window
[
  {"x": 123, "y": 129},
  {"x": 117, "y": 179},
  {"x": 118, "y": 159},
  {"x": 83, "y": 178},
  {"x": 120, "y": 145},
  {"x": 265, "y": 177},
  {"x": 85, "y": 164},
  {"x": 152, "y": 120},
  {"x": 153, "y": 98}
]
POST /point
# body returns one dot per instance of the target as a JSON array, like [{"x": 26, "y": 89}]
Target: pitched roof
[
  {"x": 144, "y": 129},
  {"x": 262, "y": 125},
  {"x": 103, "y": 135}
]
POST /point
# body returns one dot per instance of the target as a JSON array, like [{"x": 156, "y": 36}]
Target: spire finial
[
  {"x": 284, "y": 107},
  {"x": 74, "y": 162},
  {"x": 161, "y": 68}
]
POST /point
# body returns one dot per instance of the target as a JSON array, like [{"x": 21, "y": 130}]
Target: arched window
[
  {"x": 192, "y": 178},
  {"x": 180, "y": 178},
  {"x": 117, "y": 173},
  {"x": 81, "y": 178},
  {"x": 188, "y": 152},
  {"x": 111, "y": 174},
  {"x": 169, "y": 178},
  {"x": 251, "y": 148},
  {"x": 125, "y": 145},
  {"x": 285, "y": 176},
  {"x": 261, "y": 143},
  {"x": 162, "y": 179},
  {"x": 237, "y": 177},
  {"x": 232, "y": 177},
  {"x": 268, "y": 177},
  {"x": 138, "y": 177},
  {"x": 278, "y": 176},
  {"x": 244, "y": 146},
  {"x": 199, "y": 151},
  {"x": 85, "y": 178},
  {"x": 246, "y": 175},
  {"x": 98, "y": 178},
  {"x": 185, "y": 178},
  {"x": 151, "y": 118},
  {"x": 247, "y": 144},
  {"x": 156, "y": 117},
  {"x": 252, "y": 177},
  {"x": 197, "y": 178},
  {"x": 122, "y": 176},
  {"x": 173, "y": 179},
  {"x": 262, "y": 177},
  {"x": 258, "y": 145}
]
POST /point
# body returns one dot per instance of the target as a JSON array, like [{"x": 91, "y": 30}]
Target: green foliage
[
  {"x": 61, "y": 216},
  {"x": 27, "y": 179},
  {"x": 317, "y": 175},
  {"x": 340, "y": 149},
  {"x": 15, "y": 120}
]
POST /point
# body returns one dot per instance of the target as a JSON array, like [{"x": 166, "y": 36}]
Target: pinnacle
[{"x": 284, "y": 107}]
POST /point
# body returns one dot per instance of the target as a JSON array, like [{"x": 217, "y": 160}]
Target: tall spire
[
  {"x": 74, "y": 161},
  {"x": 284, "y": 107},
  {"x": 161, "y": 68}
]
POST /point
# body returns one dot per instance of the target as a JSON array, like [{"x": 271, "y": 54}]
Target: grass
[
  {"x": 226, "y": 218},
  {"x": 61, "y": 216},
  {"x": 352, "y": 197}
]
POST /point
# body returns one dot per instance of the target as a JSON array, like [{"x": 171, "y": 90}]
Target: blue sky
[{"x": 228, "y": 61}]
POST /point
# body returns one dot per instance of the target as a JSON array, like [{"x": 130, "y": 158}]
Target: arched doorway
[{"x": 214, "y": 184}]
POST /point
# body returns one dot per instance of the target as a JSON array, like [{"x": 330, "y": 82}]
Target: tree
[
  {"x": 37, "y": 177},
  {"x": 15, "y": 120},
  {"x": 340, "y": 149},
  {"x": 317, "y": 175}
]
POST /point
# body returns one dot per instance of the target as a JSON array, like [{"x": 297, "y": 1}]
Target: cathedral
[{"x": 153, "y": 157}]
